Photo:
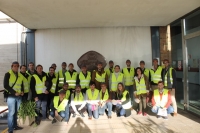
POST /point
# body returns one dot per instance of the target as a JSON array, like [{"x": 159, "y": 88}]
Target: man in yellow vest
[
  {"x": 161, "y": 101},
  {"x": 99, "y": 76},
  {"x": 115, "y": 78},
  {"x": 169, "y": 79},
  {"x": 154, "y": 77},
  {"x": 26, "y": 82},
  {"x": 78, "y": 103},
  {"x": 145, "y": 71},
  {"x": 129, "y": 73},
  {"x": 60, "y": 107},
  {"x": 110, "y": 69},
  {"x": 105, "y": 101},
  {"x": 31, "y": 69},
  {"x": 83, "y": 79},
  {"x": 40, "y": 93},
  {"x": 61, "y": 75},
  {"x": 68, "y": 92},
  {"x": 92, "y": 99},
  {"x": 13, "y": 84},
  {"x": 71, "y": 76}
]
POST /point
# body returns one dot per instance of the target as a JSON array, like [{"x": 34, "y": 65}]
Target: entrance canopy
[{"x": 43, "y": 14}]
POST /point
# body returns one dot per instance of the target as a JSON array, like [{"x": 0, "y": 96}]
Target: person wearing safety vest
[
  {"x": 61, "y": 75},
  {"x": 99, "y": 76},
  {"x": 145, "y": 71},
  {"x": 26, "y": 82},
  {"x": 123, "y": 106},
  {"x": 169, "y": 79},
  {"x": 154, "y": 78},
  {"x": 13, "y": 84},
  {"x": 40, "y": 93},
  {"x": 129, "y": 73},
  {"x": 92, "y": 99},
  {"x": 115, "y": 78},
  {"x": 161, "y": 100},
  {"x": 71, "y": 76},
  {"x": 110, "y": 69},
  {"x": 105, "y": 102},
  {"x": 83, "y": 79},
  {"x": 31, "y": 69},
  {"x": 52, "y": 87},
  {"x": 78, "y": 103},
  {"x": 68, "y": 92},
  {"x": 60, "y": 107},
  {"x": 141, "y": 90}
]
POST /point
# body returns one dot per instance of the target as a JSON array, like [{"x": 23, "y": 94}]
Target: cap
[
  {"x": 110, "y": 61},
  {"x": 62, "y": 92}
]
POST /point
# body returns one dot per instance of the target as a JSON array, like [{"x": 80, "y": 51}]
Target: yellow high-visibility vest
[
  {"x": 61, "y": 78},
  {"x": 128, "y": 76},
  {"x": 80, "y": 97},
  {"x": 140, "y": 86},
  {"x": 84, "y": 82},
  {"x": 62, "y": 105},
  {"x": 156, "y": 76},
  {"x": 12, "y": 79},
  {"x": 39, "y": 85},
  {"x": 26, "y": 84},
  {"x": 109, "y": 72},
  {"x": 146, "y": 72},
  {"x": 54, "y": 84},
  {"x": 105, "y": 97},
  {"x": 95, "y": 94},
  {"x": 170, "y": 74},
  {"x": 115, "y": 81},
  {"x": 161, "y": 103},
  {"x": 67, "y": 94},
  {"x": 71, "y": 80},
  {"x": 100, "y": 78}
]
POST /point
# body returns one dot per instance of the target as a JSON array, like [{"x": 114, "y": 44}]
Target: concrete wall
[{"x": 116, "y": 43}]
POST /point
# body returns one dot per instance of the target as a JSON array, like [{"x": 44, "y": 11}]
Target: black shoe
[
  {"x": 54, "y": 121},
  {"x": 82, "y": 115},
  {"x": 18, "y": 128},
  {"x": 74, "y": 115},
  {"x": 10, "y": 132}
]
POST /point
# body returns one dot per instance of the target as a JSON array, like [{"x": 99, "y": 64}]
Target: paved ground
[{"x": 183, "y": 123}]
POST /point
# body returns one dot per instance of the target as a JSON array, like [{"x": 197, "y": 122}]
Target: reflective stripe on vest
[
  {"x": 12, "y": 79},
  {"x": 170, "y": 74},
  {"x": 26, "y": 84},
  {"x": 94, "y": 96},
  {"x": 61, "y": 78},
  {"x": 114, "y": 81},
  {"x": 62, "y": 105},
  {"x": 128, "y": 76},
  {"x": 140, "y": 86},
  {"x": 39, "y": 85},
  {"x": 159, "y": 102},
  {"x": 105, "y": 97},
  {"x": 100, "y": 78},
  {"x": 156, "y": 76},
  {"x": 84, "y": 82},
  {"x": 71, "y": 80}
]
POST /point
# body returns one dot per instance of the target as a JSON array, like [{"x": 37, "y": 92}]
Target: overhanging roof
[{"x": 43, "y": 14}]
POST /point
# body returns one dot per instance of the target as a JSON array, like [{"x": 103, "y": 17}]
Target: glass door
[{"x": 193, "y": 73}]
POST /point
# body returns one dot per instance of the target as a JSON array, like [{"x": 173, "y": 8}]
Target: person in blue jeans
[
  {"x": 13, "y": 84},
  {"x": 161, "y": 100},
  {"x": 105, "y": 102},
  {"x": 60, "y": 106},
  {"x": 123, "y": 106}
]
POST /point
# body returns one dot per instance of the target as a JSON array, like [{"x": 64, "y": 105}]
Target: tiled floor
[{"x": 183, "y": 123}]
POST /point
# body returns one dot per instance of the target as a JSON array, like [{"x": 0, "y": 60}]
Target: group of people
[{"x": 66, "y": 92}]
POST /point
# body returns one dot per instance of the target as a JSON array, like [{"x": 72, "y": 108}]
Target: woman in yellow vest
[
  {"x": 60, "y": 107},
  {"x": 105, "y": 102},
  {"x": 92, "y": 99},
  {"x": 123, "y": 106},
  {"x": 141, "y": 89}
]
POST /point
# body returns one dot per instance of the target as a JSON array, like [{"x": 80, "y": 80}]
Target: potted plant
[{"x": 26, "y": 112}]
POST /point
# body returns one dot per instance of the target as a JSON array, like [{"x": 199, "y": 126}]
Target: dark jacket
[
  {"x": 32, "y": 86},
  {"x": 164, "y": 71}
]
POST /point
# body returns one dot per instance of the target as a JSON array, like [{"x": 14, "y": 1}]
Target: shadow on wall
[
  {"x": 148, "y": 127},
  {"x": 79, "y": 124}
]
